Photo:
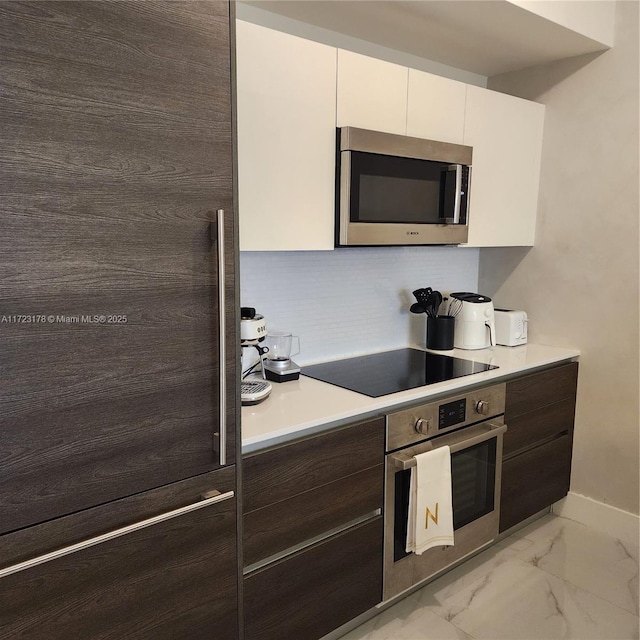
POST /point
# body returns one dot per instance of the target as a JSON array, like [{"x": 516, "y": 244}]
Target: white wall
[
  {"x": 352, "y": 300},
  {"x": 592, "y": 18},
  {"x": 580, "y": 282}
]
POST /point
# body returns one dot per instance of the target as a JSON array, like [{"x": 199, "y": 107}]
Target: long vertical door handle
[{"x": 222, "y": 353}]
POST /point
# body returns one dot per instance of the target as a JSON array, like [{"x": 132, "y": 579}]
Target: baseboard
[{"x": 603, "y": 517}]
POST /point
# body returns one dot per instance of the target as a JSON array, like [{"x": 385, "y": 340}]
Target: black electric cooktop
[{"x": 380, "y": 374}]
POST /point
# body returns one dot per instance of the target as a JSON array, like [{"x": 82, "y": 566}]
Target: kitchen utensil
[
  {"x": 453, "y": 306},
  {"x": 422, "y": 296},
  {"x": 436, "y": 301},
  {"x": 428, "y": 301}
]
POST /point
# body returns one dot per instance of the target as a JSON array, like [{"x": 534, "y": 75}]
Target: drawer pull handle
[
  {"x": 311, "y": 541},
  {"x": 210, "y": 498}
]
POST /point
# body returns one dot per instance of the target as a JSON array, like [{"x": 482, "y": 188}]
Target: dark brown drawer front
[
  {"x": 280, "y": 526},
  {"x": 530, "y": 428},
  {"x": 175, "y": 579},
  {"x": 534, "y": 480},
  {"x": 314, "y": 591},
  {"x": 280, "y": 474},
  {"x": 49, "y": 536},
  {"x": 540, "y": 389}
]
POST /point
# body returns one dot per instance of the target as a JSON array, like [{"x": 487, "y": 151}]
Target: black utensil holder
[{"x": 440, "y": 333}]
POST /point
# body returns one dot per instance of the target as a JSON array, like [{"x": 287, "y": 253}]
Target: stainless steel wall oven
[{"x": 472, "y": 425}]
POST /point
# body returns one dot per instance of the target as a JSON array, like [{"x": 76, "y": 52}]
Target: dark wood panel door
[
  {"x": 535, "y": 427},
  {"x": 116, "y": 153},
  {"x": 311, "y": 593},
  {"x": 171, "y": 580},
  {"x": 538, "y": 390},
  {"x": 286, "y": 471},
  {"x": 277, "y": 527},
  {"x": 534, "y": 480}
]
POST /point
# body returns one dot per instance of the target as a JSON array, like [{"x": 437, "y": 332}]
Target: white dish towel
[{"x": 430, "y": 522}]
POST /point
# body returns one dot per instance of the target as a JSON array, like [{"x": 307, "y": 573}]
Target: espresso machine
[{"x": 253, "y": 334}]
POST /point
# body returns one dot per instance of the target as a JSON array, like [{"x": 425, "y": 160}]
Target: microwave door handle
[
  {"x": 457, "y": 196},
  {"x": 456, "y": 203}
]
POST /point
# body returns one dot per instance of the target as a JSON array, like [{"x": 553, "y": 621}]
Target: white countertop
[{"x": 304, "y": 406}]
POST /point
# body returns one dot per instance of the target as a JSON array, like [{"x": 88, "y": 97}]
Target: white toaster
[{"x": 511, "y": 327}]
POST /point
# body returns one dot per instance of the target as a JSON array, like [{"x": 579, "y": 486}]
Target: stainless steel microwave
[{"x": 399, "y": 190}]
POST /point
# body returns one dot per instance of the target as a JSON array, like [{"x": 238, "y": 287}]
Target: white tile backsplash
[{"x": 353, "y": 300}]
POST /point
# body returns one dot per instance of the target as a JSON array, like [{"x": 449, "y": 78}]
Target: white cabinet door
[
  {"x": 372, "y": 93},
  {"x": 435, "y": 108},
  {"x": 286, "y": 97},
  {"x": 506, "y": 135}
]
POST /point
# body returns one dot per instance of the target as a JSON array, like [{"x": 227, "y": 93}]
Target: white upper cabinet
[
  {"x": 372, "y": 93},
  {"x": 286, "y": 114},
  {"x": 435, "y": 107},
  {"x": 506, "y": 135},
  {"x": 293, "y": 92}
]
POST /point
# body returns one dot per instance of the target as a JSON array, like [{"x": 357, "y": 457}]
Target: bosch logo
[{"x": 413, "y": 233}]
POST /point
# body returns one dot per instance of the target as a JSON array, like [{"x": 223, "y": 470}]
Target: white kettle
[{"x": 475, "y": 321}]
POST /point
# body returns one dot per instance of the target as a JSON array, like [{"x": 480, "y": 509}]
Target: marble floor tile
[
  {"x": 407, "y": 623},
  {"x": 589, "y": 559},
  {"x": 475, "y": 568},
  {"x": 387, "y": 624},
  {"x": 518, "y": 601},
  {"x": 555, "y": 579}
]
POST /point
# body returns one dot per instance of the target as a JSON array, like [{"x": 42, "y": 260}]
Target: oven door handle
[{"x": 403, "y": 461}]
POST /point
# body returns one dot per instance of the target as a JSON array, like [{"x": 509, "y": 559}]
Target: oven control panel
[
  {"x": 452, "y": 413},
  {"x": 425, "y": 421}
]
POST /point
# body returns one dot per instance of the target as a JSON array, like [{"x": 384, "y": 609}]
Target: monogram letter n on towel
[{"x": 430, "y": 521}]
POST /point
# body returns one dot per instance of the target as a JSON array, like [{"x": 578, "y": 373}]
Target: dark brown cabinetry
[
  {"x": 116, "y": 155},
  {"x": 172, "y": 575},
  {"x": 313, "y": 533},
  {"x": 314, "y": 591},
  {"x": 537, "y": 445}
]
